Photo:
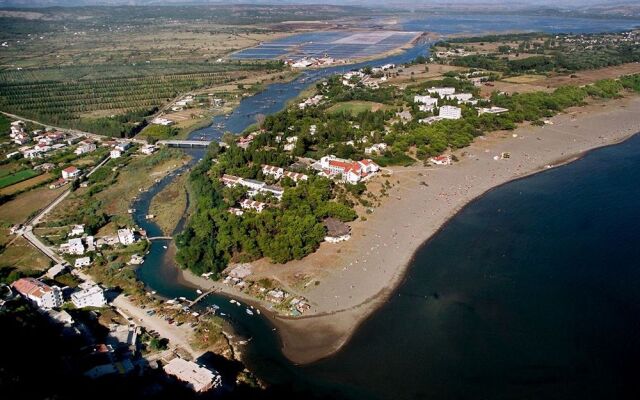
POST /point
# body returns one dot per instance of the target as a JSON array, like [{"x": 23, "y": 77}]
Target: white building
[
  {"x": 253, "y": 205},
  {"x": 115, "y": 153},
  {"x": 198, "y": 378},
  {"x": 90, "y": 297},
  {"x": 461, "y": 97},
  {"x": 162, "y": 121},
  {"x": 82, "y": 262},
  {"x": 122, "y": 146},
  {"x": 492, "y": 110},
  {"x": 84, "y": 148},
  {"x": 296, "y": 176},
  {"x": 351, "y": 171},
  {"x": 70, "y": 173},
  {"x": 43, "y": 295},
  {"x": 442, "y": 91},
  {"x": 377, "y": 148},
  {"x": 73, "y": 246},
  {"x": 126, "y": 236},
  {"x": 148, "y": 149},
  {"x": 426, "y": 100},
  {"x": 291, "y": 143},
  {"x": 441, "y": 160},
  {"x": 450, "y": 112},
  {"x": 77, "y": 230},
  {"x": 276, "y": 172}
]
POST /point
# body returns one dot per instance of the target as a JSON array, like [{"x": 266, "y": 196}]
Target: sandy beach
[{"x": 351, "y": 279}]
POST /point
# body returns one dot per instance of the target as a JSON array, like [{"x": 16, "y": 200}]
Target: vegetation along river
[{"x": 531, "y": 291}]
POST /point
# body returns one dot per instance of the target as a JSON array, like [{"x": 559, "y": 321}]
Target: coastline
[{"x": 356, "y": 277}]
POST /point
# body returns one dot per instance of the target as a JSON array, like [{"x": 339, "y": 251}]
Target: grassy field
[
  {"x": 169, "y": 205},
  {"x": 19, "y": 209},
  {"x": 356, "y": 107},
  {"x": 26, "y": 184},
  {"x": 17, "y": 177},
  {"x": 23, "y": 256}
]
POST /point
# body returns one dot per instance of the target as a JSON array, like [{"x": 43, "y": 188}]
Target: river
[{"x": 531, "y": 291}]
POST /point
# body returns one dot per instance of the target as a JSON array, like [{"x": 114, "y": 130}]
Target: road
[
  {"x": 177, "y": 335},
  {"x": 33, "y": 239}
]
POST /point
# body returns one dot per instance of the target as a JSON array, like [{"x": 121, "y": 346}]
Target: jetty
[{"x": 202, "y": 296}]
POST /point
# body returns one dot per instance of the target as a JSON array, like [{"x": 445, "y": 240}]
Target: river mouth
[{"x": 384, "y": 361}]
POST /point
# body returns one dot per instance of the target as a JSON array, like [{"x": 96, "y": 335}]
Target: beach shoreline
[{"x": 427, "y": 198}]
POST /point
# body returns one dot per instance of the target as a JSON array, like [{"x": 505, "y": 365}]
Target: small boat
[
  {"x": 258, "y": 311},
  {"x": 222, "y": 314},
  {"x": 182, "y": 298},
  {"x": 198, "y": 291},
  {"x": 232, "y": 301},
  {"x": 249, "y": 311},
  {"x": 164, "y": 247}
]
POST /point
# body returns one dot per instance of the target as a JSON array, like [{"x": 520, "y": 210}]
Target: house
[
  {"x": 296, "y": 176},
  {"x": 276, "y": 172},
  {"x": 32, "y": 153},
  {"x": 377, "y": 148},
  {"x": 311, "y": 101},
  {"x": 148, "y": 149},
  {"x": 92, "y": 296},
  {"x": 82, "y": 262},
  {"x": 43, "y": 295},
  {"x": 162, "y": 121},
  {"x": 405, "y": 116},
  {"x": 425, "y": 100},
  {"x": 122, "y": 146},
  {"x": 46, "y": 167},
  {"x": 291, "y": 143},
  {"x": 337, "y": 231},
  {"x": 244, "y": 142},
  {"x": 126, "y": 236},
  {"x": 230, "y": 180},
  {"x": 461, "y": 97},
  {"x": 115, "y": 153},
  {"x": 119, "y": 367},
  {"x": 77, "y": 230},
  {"x": 70, "y": 173},
  {"x": 351, "y": 171},
  {"x": 13, "y": 154},
  {"x": 85, "y": 147},
  {"x": 441, "y": 91},
  {"x": 492, "y": 110},
  {"x": 450, "y": 112},
  {"x": 441, "y": 160},
  {"x": 253, "y": 205},
  {"x": 252, "y": 184},
  {"x": 236, "y": 211},
  {"x": 59, "y": 183},
  {"x": 73, "y": 246},
  {"x": 198, "y": 378},
  {"x": 277, "y": 191},
  {"x": 55, "y": 271}
]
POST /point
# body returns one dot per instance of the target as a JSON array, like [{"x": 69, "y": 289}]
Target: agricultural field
[
  {"x": 23, "y": 256},
  {"x": 19, "y": 209},
  {"x": 17, "y": 177},
  {"x": 25, "y": 184}
]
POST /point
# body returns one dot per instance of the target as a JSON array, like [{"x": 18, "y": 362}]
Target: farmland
[{"x": 17, "y": 177}]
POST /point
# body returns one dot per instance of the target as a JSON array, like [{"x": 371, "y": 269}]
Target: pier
[{"x": 202, "y": 296}]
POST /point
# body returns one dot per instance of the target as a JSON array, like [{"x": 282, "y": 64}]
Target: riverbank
[{"x": 356, "y": 277}]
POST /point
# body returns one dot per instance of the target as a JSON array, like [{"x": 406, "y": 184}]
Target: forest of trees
[{"x": 290, "y": 229}]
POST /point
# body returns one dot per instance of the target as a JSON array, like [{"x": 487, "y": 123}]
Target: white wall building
[
  {"x": 198, "y": 378},
  {"x": 126, "y": 236},
  {"x": 82, "y": 262},
  {"x": 73, "y": 246},
  {"x": 70, "y": 173},
  {"x": 276, "y": 172},
  {"x": 450, "y": 112},
  {"x": 115, "y": 153},
  {"x": 426, "y": 100},
  {"x": 90, "y": 297},
  {"x": 43, "y": 295},
  {"x": 442, "y": 91}
]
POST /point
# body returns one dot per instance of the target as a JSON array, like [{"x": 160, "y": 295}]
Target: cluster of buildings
[
  {"x": 162, "y": 121},
  {"x": 308, "y": 62},
  {"x": 87, "y": 243},
  {"x": 348, "y": 171},
  {"x": 354, "y": 78},
  {"x": 254, "y": 187},
  {"x": 311, "y": 101},
  {"x": 278, "y": 173},
  {"x": 43, "y": 141}
]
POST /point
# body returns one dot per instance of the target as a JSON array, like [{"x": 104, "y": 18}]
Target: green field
[
  {"x": 356, "y": 107},
  {"x": 17, "y": 177}
]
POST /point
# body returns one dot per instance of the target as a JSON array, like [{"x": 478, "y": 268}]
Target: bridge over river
[{"x": 184, "y": 143}]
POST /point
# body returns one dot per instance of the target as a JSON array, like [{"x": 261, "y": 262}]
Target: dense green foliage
[{"x": 286, "y": 231}]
